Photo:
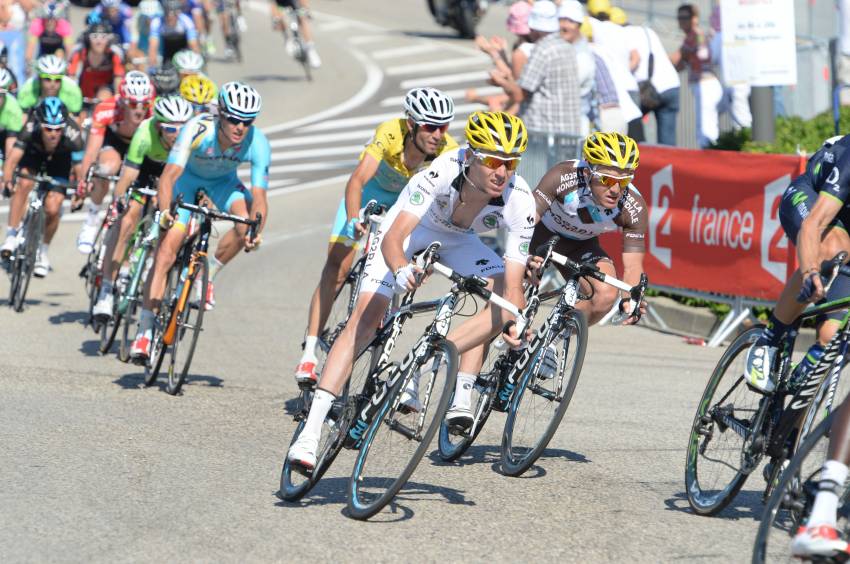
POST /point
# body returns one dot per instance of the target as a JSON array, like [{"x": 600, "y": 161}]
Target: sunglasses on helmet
[
  {"x": 236, "y": 120},
  {"x": 136, "y": 105},
  {"x": 51, "y": 77},
  {"x": 494, "y": 162},
  {"x": 611, "y": 181}
]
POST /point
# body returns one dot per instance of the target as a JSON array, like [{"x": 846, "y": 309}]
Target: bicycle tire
[
  {"x": 14, "y": 277},
  {"x": 360, "y": 506},
  {"x": 514, "y": 462},
  {"x": 109, "y": 331},
  {"x": 128, "y": 320},
  {"x": 190, "y": 321},
  {"x": 787, "y": 495},
  {"x": 93, "y": 274},
  {"x": 347, "y": 405},
  {"x": 702, "y": 502},
  {"x": 450, "y": 446},
  {"x": 158, "y": 347},
  {"x": 32, "y": 239}
]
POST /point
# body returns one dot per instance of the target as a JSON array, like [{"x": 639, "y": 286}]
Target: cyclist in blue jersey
[
  {"x": 117, "y": 15},
  {"x": 206, "y": 155},
  {"x": 139, "y": 53},
  {"x": 172, "y": 33}
]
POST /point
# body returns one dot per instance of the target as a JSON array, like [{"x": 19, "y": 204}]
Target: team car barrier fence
[
  {"x": 714, "y": 230},
  {"x": 544, "y": 151}
]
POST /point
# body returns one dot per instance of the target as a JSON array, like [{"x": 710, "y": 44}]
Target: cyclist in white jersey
[{"x": 463, "y": 193}]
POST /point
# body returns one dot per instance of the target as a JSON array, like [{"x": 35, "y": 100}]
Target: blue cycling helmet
[
  {"x": 239, "y": 100},
  {"x": 93, "y": 18},
  {"x": 51, "y": 111}
]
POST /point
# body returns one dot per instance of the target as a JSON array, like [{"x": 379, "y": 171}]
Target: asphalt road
[{"x": 94, "y": 468}]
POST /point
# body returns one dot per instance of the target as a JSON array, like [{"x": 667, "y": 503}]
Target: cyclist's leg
[
  {"x": 109, "y": 163},
  {"x": 302, "y": 10},
  {"x": 18, "y": 206},
  {"x": 116, "y": 245},
  {"x": 603, "y": 296},
  {"x": 52, "y": 213}
]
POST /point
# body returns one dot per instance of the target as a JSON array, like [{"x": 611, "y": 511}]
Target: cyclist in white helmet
[
  {"x": 187, "y": 63},
  {"x": 398, "y": 150},
  {"x": 50, "y": 80},
  {"x": 207, "y": 153}
]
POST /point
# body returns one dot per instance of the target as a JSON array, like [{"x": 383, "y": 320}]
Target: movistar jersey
[
  {"x": 198, "y": 151},
  {"x": 387, "y": 147},
  {"x": 69, "y": 93},
  {"x": 828, "y": 170}
]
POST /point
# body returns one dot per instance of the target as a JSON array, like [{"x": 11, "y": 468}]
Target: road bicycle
[
  {"x": 294, "y": 39},
  {"x": 180, "y": 318},
  {"x": 735, "y": 427},
  {"x": 92, "y": 270},
  {"x": 368, "y": 415},
  {"x": 22, "y": 260},
  {"x": 534, "y": 385},
  {"x": 233, "y": 40},
  {"x": 127, "y": 290}
]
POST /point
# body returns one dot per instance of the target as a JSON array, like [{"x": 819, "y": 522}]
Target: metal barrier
[{"x": 544, "y": 151}]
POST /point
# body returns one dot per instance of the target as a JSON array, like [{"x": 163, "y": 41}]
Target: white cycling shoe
[
  {"x": 313, "y": 58},
  {"x": 85, "y": 239},
  {"x": 9, "y": 246},
  {"x": 102, "y": 309},
  {"x": 759, "y": 363},
  {"x": 303, "y": 452},
  {"x": 818, "y": 541},
  {"x": 410, "y": 395},
  {"x": 549, "y": 363},
  {"x": 42, "y": 264},
  {"x": 460, "y": 413}
]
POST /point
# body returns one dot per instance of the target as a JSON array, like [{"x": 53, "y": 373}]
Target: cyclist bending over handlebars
[
  {"x": 399, "y": 149},
  {"x": 206, "y": 155},
  {"x": 51, "y": 143},
  {"x": 582, "y": 199},
  {"x": 463, "y": 193},
  {"x": 815, "y": 213}
]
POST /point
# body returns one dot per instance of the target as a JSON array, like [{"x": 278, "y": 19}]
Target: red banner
[{"x": 714, "y": 220}]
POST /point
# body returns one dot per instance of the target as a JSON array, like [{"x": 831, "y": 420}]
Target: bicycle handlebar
[
  {"x": 45, "y": 179},
  {"x": 372, "y": 213}
]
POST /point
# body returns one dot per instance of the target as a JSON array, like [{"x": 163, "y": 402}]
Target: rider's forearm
[
  {"x": 11, "y": 163},
  {"x": 260, "y": 205},
  {"x": 92, "y": 148},
  {"x": 166, "y": 185},
  {"x": 808, "y": 245},
  {"x": 153, "y": 51},
  {"x": 393, "y": 251},
  {"x": 128, "y": 176},
  {"x": 353, "y": 195}
]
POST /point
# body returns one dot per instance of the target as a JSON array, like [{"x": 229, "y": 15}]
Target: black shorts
[
  {"x": 57, "y": 165},
  {"x": 111, "y": 139},
  {"x": 797, "y": 203},
  {"x": 587, "y": 250},
  {"x": 149, "y": 172},
  {"x": 294, "y": 4}
]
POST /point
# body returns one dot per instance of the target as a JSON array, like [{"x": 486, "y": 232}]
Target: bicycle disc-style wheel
[
  {"x": 541, "y": 400},
  {"x": 451, "y": 444},
  {"x": 395, "y": 442},
  {"x": 190, "y": 319},
  {"x": 294, "y": 484},
  {"x": 26, "y": 255},
  {"x": 791, "y": 501},
  {"x": 158, "y": 346},
  {"x": 718, "y": 462}
]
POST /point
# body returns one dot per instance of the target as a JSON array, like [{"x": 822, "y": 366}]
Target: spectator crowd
[{"x": 573, "y": 67}]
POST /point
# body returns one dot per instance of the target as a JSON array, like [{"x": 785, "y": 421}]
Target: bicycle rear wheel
[
  {"x": 395, "y": 442},
  {"x": 128, "y": 321},
  {"x": 718, "y": 459},
  {"x": 540, "y": 401},
  {"x": 93, "y": 274},
  {"x": 341, "y": 309},
  {"x": 25, "y": 255},
  {"x": 791, "y": 501},
  {"x": 451, "y": 444},
  {"x": 190, "y": 319},
  {"x": 294, "y": 484}
]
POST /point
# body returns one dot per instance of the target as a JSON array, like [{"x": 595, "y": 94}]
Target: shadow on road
[
  {"x": 492, "y": 454},
  {"x": 275, "y": 78},
  {"x": 137, "y": 380},
  {"x": 444, "y": 35},
  {"x": 334, "y": 491},
  {"x": 746, "y": 505},
  {"x": 69, "y": 317},
  {"x": 91, "y": 348}
]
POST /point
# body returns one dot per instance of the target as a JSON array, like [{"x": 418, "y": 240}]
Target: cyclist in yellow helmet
[
  {"x": 199, "y": 91},
  {"x": 462, "y": 193},
  {"x": 582, "y": 199}
]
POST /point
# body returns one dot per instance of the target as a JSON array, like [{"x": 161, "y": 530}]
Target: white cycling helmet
[
  {"x": 429, "y": 105},
  {"x": 172, "y": 109},
  {"x": 110, "y": 3},
  {"x": 6, "y": 79},
  {"x": 136, "y": 87},
  {"x": 150, "y": 8},
  {"x": 188, "y": 61},
  {"x": 240, "y": 100},
  {"x": 51, "y": 64}
]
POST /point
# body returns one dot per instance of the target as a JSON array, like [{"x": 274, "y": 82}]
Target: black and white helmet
[
  {"x": 172, "y": 109},
  {"x": 429, "y": 105},
  {"x": 51, "y": 64},
  {"x": 240, "y": 100}
]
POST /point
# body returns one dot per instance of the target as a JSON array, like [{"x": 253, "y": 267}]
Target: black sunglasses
[{"x": 237, "y": 120}]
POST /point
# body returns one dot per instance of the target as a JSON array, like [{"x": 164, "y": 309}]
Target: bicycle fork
[{"x": 183, "y": 296}]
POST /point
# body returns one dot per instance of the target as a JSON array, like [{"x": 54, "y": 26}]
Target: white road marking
[
  {"x": 473, "y": 76},
  {"x": 363, "y": 39},
  {"x": 457, "y": 95},
  {"x": 303, "y": 232},
  {"x": 394, "y": 52},
  {"x": 435, "y": 66},
  {"x": 375, "y": 119},
  {"x": 363, "y": 135},
  {"x": 335, "y": 25},
  {"x": 347, "y": 164},
  {"x": 348, "y": 150}
]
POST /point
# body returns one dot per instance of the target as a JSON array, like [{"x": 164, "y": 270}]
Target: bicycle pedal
[{"x": 459, "y": 431}]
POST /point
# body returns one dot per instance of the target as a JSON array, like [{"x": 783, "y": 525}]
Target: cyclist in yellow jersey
[{"x": 399, "y": 149}]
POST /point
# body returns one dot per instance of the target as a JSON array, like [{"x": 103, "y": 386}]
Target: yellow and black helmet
[
  {"x": 611, "y": 149},
  {"x": 197, "y": 89},
  {"x": 496, "y": 132}
]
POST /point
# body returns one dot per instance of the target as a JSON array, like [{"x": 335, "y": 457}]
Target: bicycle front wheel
[
  {"x": 25, "y": 255},
  {"x": 395, "y": 442},
  {"x": 791, "y": 501},
  {"x": 718, "y": 460},
  {"x": 542, "y": 399},
  {"x": 158, "y": 346},
  {"x": 190, "y": 319}
]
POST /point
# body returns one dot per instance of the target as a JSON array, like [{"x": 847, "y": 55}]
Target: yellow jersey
[{"x": 387, "y": 147}]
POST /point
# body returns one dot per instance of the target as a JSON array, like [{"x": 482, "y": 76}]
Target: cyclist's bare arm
[
  {"x": 632, "y": 270},
  {"x": 166, "y": 185},
  {"x": 364, "y": 172},
  {"x": 808, "y": 241},
  {"x": 129, "y": 175},
  {"x": 260, "y": 205},
  {"x": 93, "y": 146},
  {"x": 12, "y": 160},
  {"x": 514, "y": 293},
  {"x": 153, "y": 52},
  {"x": 10, "y": 142},
  {"x": 393, "y": 245}
]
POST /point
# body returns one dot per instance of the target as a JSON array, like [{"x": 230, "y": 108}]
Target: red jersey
[
  {"x": 90, "y": 78},
  {"x": 107, "y": 113}
]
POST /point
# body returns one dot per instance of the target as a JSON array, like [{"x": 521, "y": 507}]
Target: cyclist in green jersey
[
  {"x": 143, "y": 165},
  {"x": 11, "y": 116},
  {"x": 51, "y": 81}
]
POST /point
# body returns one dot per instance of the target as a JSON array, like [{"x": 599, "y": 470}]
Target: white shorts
[{"x": 463, "y": 252}]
